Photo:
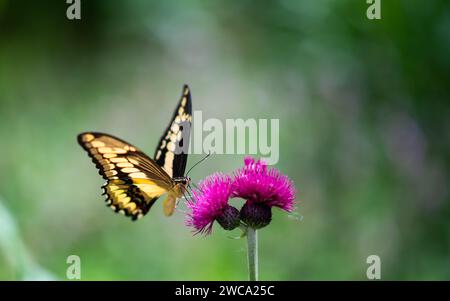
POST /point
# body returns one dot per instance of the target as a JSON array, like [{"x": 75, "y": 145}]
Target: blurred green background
[{"x": 364, "y": 133}]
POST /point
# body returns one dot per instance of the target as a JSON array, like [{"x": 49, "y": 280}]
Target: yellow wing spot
[
  {"x": 118, "y": 160},
  {"x": 120, "y": 195},
  {"x": 115, "y": 150},
  {"x": 138, "y": 175},
  {"x": 170, "y": 156},
  {"x": 175, "y": 127},
  {"x": 103, "y": 161},
  {"x": 158, "y": 154},
  {"x": 97, "y": 144},
  {"x": 129, "y": 170},
  {"x": 119, "y": 150},
  {"x": 109, "y": 155},
  {"x": 133, "y": 161},
  {"x": 113, "y": 188},
  {"x": 163, "y": 144},
  {"x": 186, "y": 91},
  {"x": 171, "y": 146},
  {"x": 129, "y": 148},
  {"x": 180, "y": 110},
  {"x": 143, "y": 181},
  {"x": 110, "y": 173},
  {"x": 108, "y": 167},
  {"x": 104, "y": 150},
  {"x": 125, "y": 164},
  {"x": 173, "y": 137},
  {"x": 125, "y": 201},
  {"x": 131, "y": 206},
  {"x": 115, "y": 195},
  {"x": 87, "y": 138},
  {"x": 183, "y": 101},
  {"x": 168, "y": 163},
  {"x": 151, "y": 190}
]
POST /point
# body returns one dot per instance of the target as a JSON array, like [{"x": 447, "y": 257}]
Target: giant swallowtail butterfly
[{"x": 134, "y": 181}]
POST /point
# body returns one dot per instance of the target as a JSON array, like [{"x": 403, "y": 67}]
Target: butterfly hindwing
[
  {"x": 171, "y": 152},
  {"x": 133, "y": 180},
  {"x": 128, "y": 199}
]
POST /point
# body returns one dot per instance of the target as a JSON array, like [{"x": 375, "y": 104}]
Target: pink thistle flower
[
  {"x": 210, "y": 203},
  {"x": 258, "y": 184}
]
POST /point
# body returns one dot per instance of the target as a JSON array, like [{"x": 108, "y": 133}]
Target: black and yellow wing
[
  {"x": 133, "y": 180},
  {"x": 172, "y": 150}
]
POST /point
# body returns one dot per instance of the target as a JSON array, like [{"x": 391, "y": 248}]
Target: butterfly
[{"x": 135, "y": 181}]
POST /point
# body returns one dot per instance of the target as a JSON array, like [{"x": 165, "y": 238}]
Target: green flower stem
[{"x": 252, "y": 253}]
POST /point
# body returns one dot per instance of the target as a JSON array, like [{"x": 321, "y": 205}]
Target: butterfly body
[{"x": 135, "y": 181}]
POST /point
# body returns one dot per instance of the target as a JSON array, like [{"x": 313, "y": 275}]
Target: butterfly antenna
[{"x": 206, "y": 157}]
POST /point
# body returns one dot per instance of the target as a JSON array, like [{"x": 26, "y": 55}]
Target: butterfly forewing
[
  {"x": 171, "y": 152},
  {"x": 133, "y": 180}
]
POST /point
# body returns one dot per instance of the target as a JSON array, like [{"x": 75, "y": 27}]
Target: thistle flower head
[
  {"x": 262, "y": 188},
  {"x": 210, "y": 203},
  {"x": 258, "y": 184}
]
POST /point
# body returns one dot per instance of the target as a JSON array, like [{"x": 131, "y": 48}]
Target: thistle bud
[
  {"x": 256, "y": 215},
  {"x": 229, "y": 219}
]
